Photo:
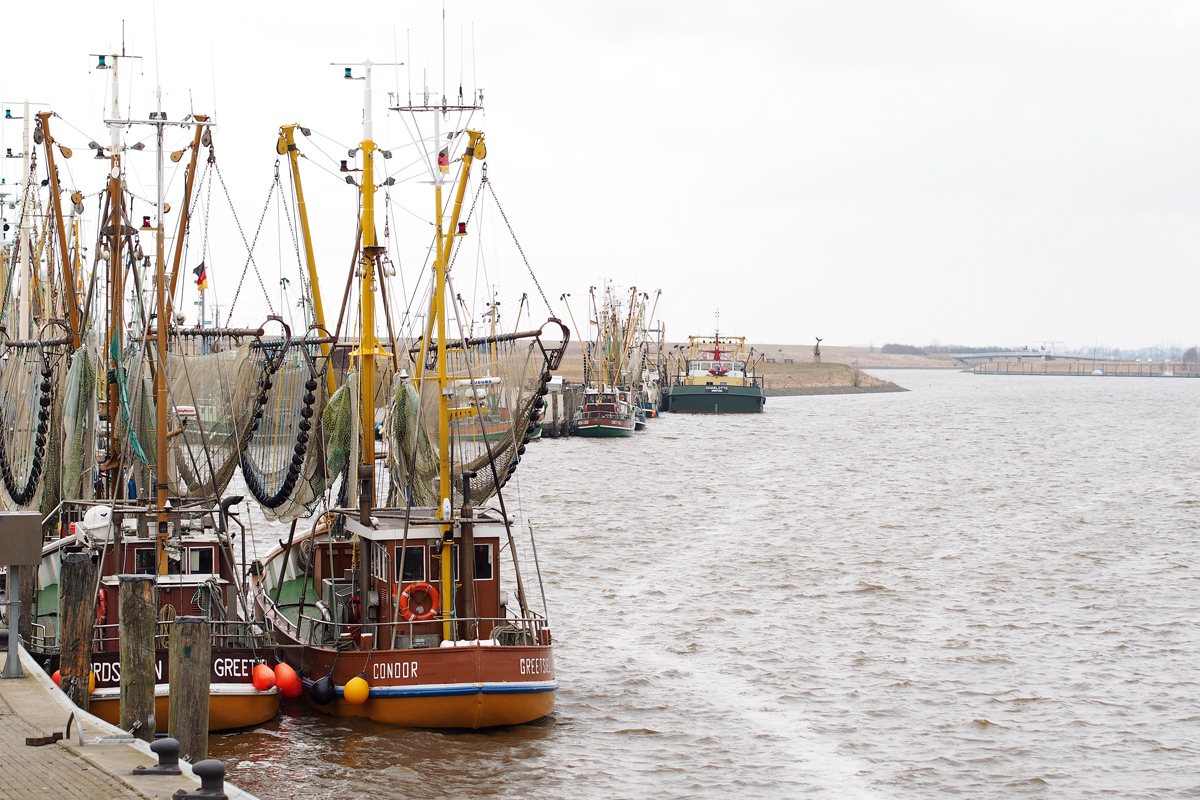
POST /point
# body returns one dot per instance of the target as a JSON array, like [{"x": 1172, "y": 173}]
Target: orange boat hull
[{"x": 226, "y": 711}]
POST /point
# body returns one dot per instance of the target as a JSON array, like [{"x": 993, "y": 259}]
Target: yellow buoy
[
  {"x": 357, "y": 690},
  {"x": 91, "y": 682}
]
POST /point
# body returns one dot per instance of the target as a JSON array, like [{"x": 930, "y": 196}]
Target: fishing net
[
  {"x": 339, "y": 421},
  {"x": 79, "y": 426},
  {"x": 30, "y": 416},
  {"x": 209, "y": 413},
  {"x": 283, "y": 457},
  {"x": 135, "y": 433},
  {"x": 497, "y": 389}
]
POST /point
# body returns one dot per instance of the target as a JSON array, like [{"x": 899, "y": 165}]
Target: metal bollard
[
  {"x": 167, "y": 751},
  {"x": 212, "y": 782}
]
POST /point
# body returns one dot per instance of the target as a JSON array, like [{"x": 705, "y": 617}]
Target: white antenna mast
[{"x": 368, "y": 127}]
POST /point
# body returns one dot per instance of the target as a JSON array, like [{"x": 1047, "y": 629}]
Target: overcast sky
[{"x": 866, "y": 172}]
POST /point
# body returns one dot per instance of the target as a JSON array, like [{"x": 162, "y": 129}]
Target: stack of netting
[
  {"x": 30, "y": 417},
  {"x": 79, "y": 426},
  {"x": 134, "y": 434},
  {"x": 502, "y": 386},
  {"x": 342, "y": 424},
  {"x": 283, "y": 456},
  {"x": 209, "y": 415}
]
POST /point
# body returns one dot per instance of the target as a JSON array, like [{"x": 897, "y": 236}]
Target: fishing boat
[
  {"x": 716, "y": 376},
  {"x": 398, "y": 611},
  {"x": 131, "y": 469},
  {"x": 615, "y": 375},
  {"x": 604, "y": 413}
]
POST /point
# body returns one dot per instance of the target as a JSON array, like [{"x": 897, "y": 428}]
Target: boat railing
[
  {"x": 40, "y": 641},
  {"x": 106, "y": 638},
  {"x": 528, "y": 631},
  {"x": 755, "y": 381}
]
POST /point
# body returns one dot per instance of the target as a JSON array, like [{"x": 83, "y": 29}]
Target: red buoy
[
  {"x": 285, "y": 676},
  {"x": 57, "y": 676},
  {"x": 264, "y": 677},
  {"x": 293, "y": 690}
]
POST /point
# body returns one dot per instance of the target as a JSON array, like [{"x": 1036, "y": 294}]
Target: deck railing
[
  {"x": 105, "y": 638},
  {"x": 528, "y": 631}
]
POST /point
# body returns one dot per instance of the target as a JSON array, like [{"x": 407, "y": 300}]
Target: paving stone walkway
[{"x": 50, "y": 771}]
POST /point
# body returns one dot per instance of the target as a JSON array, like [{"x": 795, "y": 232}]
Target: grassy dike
[{"x": 782, "y": 380}]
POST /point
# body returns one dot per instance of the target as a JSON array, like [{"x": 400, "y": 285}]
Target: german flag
[
  {"x": 444, "y": 160},
  {"x": 201, "y": 277}
]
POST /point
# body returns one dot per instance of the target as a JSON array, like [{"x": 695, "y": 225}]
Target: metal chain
[
  {"x": 470, "y": 213},
  {"x": 287, "y": 213},
  {"x": 207, "y": 206},
  {"x": 249, "y": 247},
  {"x": 518, "y": 244},
  {"x": 192, "y": 207}
]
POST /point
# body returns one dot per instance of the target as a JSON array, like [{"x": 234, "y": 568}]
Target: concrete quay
[{"x": 80, "y": 766}]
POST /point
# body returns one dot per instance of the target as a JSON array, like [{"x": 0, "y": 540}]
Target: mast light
[
  {"x": 8, "y": 113},
  {"x": 462, "y": 229},
  {"x": 145, "y": 222},
  {"x": 349, "y": 77},
  {"x": 102, "y": 65}
]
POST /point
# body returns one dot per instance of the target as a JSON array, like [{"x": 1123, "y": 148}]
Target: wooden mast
[
  {"x": 63, "y": 253},
  {"x": 115, "y": 335},
  {"x": 160, "y": 374}
]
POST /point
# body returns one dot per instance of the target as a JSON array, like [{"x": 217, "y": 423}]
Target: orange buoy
[
  {"x": 57, "y": 677},
  {"x": 293, "y": 690},
  {"x": 357, "y": 690},
  {"x": 264, "y": 677},
  {"x": 285, "y": 676}
]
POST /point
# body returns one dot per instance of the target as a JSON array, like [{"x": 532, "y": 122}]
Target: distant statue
[{"x": 817, "y": 350}]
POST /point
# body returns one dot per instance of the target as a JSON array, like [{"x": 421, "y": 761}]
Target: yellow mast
[
  {"x": 444, "y": 248},
  {"x": 287, "y": 144}
]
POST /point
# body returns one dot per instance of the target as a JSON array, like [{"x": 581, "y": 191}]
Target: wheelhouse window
[
  {"x": 483, "y": 562},
  {"x": 379, "y": 565},
  {"x": 143, "y": 561},
  {"x": 414, "y": 563},
  {"x": 200, "y": 561}
]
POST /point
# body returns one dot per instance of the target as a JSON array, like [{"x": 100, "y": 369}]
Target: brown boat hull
[{"x": 473, "y": 686}]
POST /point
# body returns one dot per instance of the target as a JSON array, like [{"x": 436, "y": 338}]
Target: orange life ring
[
  {"x": 419, "y": 616},
  {"x": 101, "y": 607}
]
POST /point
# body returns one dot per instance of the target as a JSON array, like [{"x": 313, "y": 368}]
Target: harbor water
[{"x": 985, "y": 586}]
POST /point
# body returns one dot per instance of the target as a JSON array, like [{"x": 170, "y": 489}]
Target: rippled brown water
[{"x": 987, "y": 586}]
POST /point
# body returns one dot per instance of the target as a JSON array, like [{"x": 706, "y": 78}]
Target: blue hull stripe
[{"x": 455, "y": 690}]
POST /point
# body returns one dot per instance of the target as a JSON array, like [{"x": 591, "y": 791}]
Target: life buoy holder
[
  {"x": 418, "y": 616},
  {"x": 101, "y": 607}
]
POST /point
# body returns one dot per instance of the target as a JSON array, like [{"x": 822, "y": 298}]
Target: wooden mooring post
[
  {"x": 191, "y": 663},
  {"x": 76, "y": 618},
  {"x": 137, "y": 609}
]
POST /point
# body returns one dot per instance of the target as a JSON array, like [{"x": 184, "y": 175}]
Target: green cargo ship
[{"x": 717, "y": 378}]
